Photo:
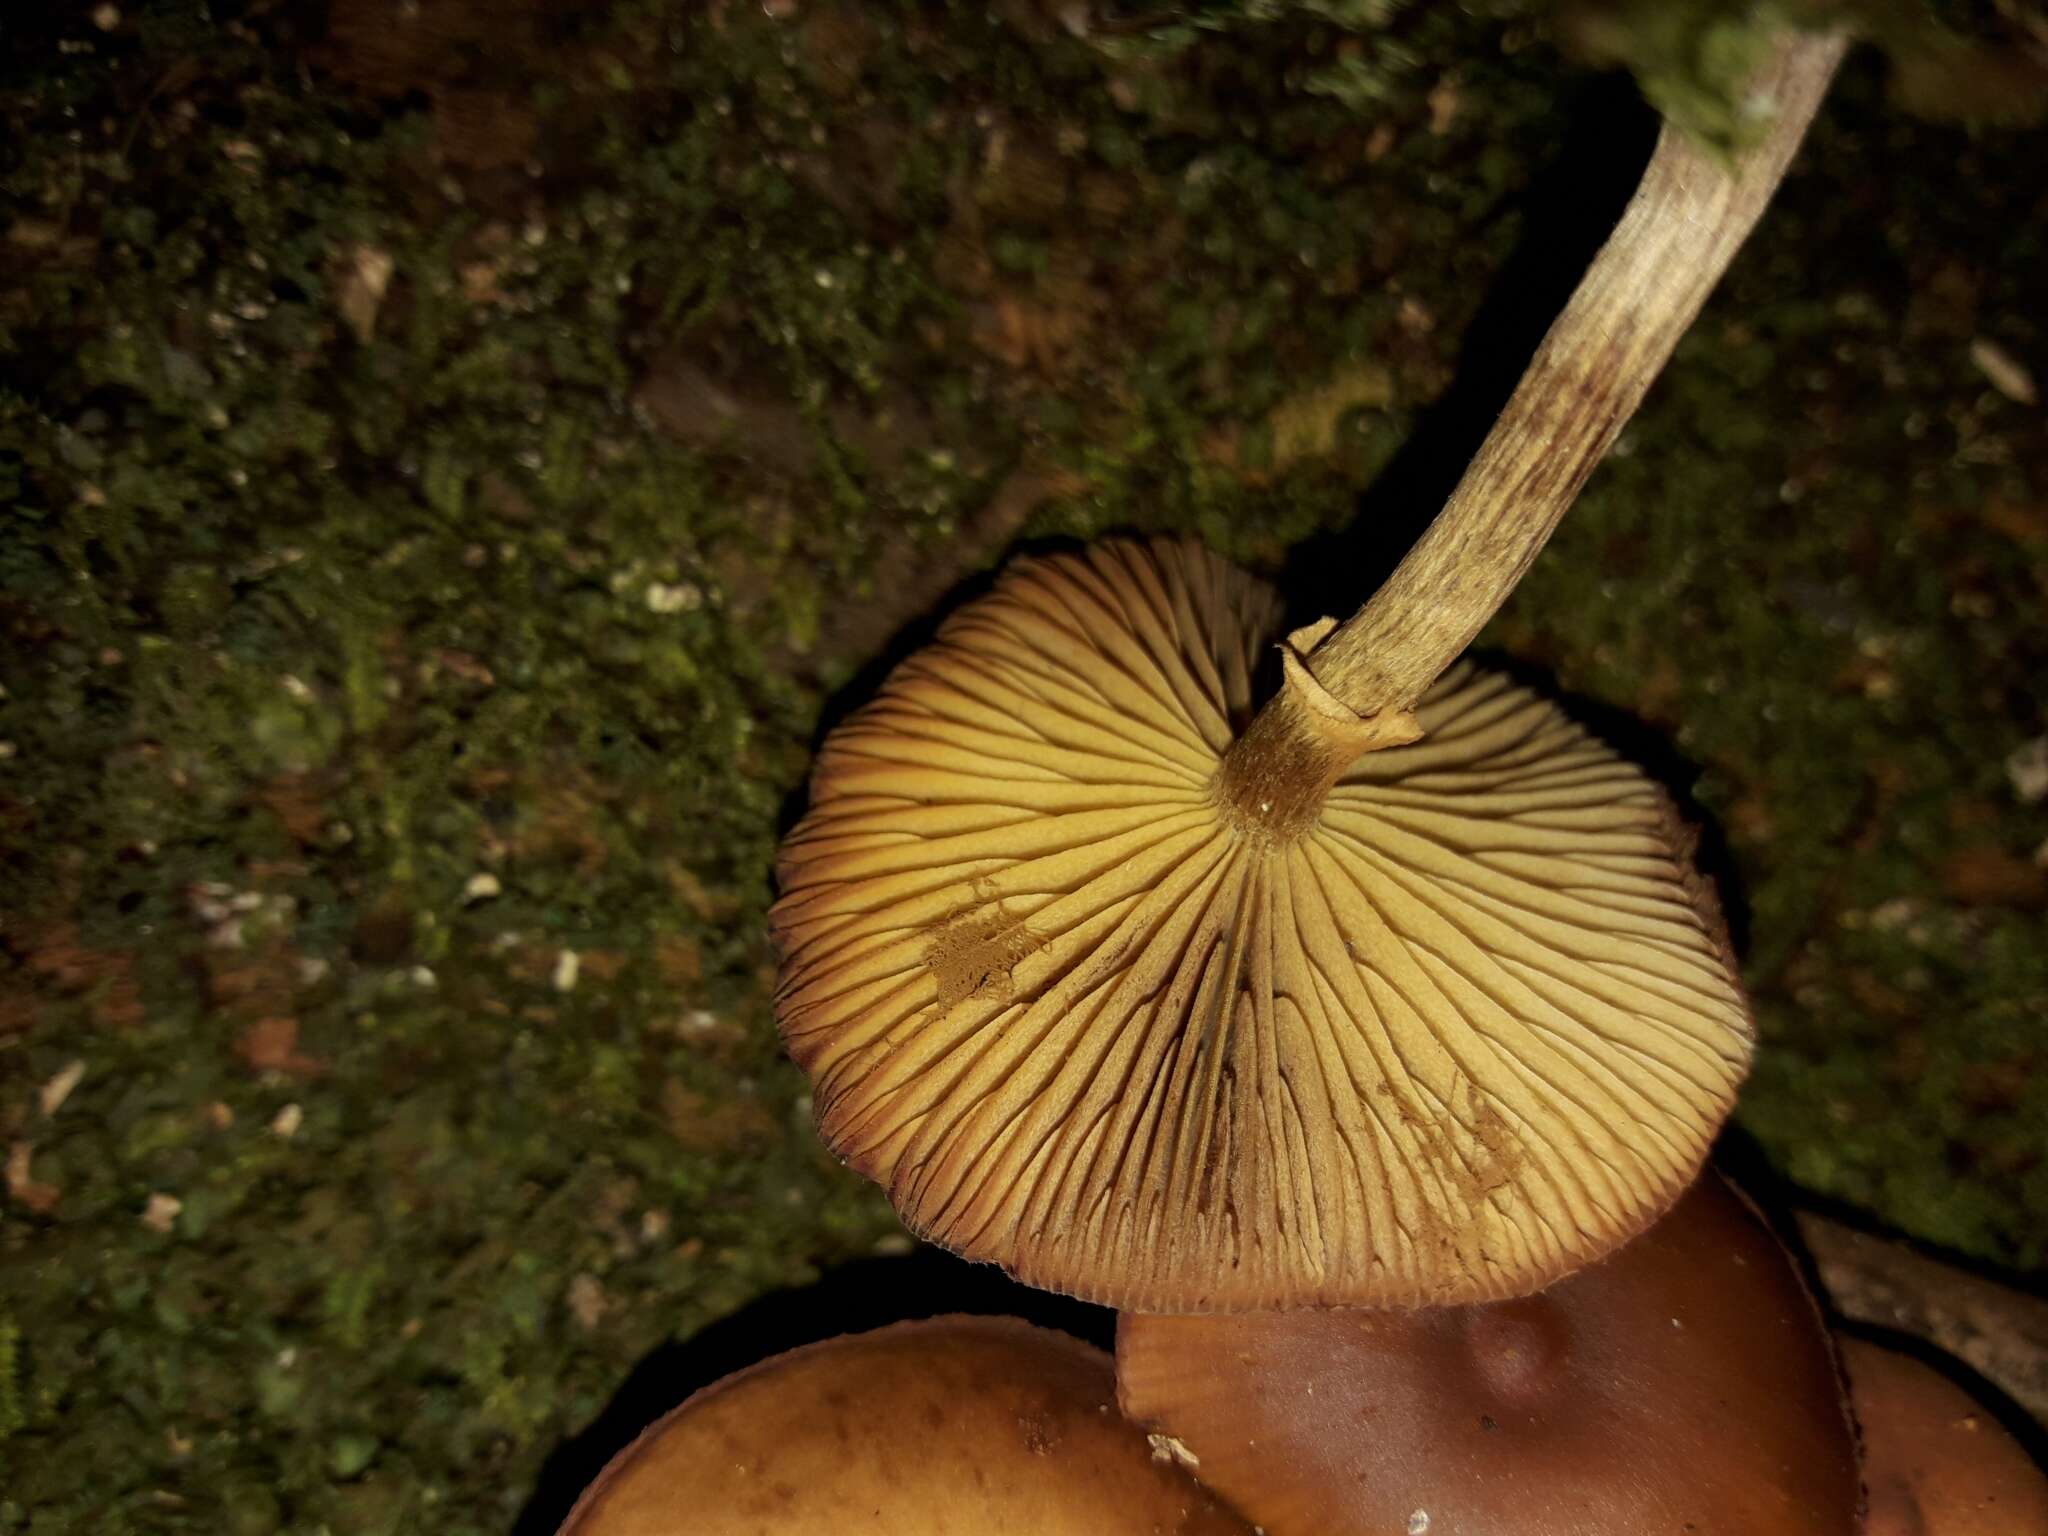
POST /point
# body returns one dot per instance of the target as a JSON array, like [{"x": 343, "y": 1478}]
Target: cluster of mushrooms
[{"x": 1360, "y": 1034}]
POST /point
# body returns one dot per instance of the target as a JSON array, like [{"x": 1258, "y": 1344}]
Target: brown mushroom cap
[
  {"x": 953, "y": 1426},
  {"x": 1934, "y": 1461},
  {"x": 1683, "y": 1385},
  {"x": 1465, "y": 1023}
]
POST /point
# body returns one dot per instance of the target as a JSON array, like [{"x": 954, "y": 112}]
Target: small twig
[{"x": 1677, "y": 236}]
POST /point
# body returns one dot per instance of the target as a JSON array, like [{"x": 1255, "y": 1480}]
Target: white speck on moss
[
  {"x": 568, "y": 965},
  {"x": 2027, "y": 769},
  {"x": 2006, "y": 373},
  {"x": 481, "y": 887},
  {"x": 587, "y": 1301},
  {"x": 682, "y": 597},
  {"x": 360, "y": 293},
  {"x": 58, "y": 1088},
  {"x": 161, "y": 1211},
  {"x": 286, "y": 1122}
]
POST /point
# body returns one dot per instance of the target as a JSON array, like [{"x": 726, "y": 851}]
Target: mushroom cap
[
  {"x": 951, "y": 1426},
  {"x": 1935, "y": 1462},
  {"x": 1470, "y": 1028},
  {"x": 1683, "y": 1385}
]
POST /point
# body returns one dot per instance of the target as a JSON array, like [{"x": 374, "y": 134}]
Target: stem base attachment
[{"x": 1277, "y": 773}]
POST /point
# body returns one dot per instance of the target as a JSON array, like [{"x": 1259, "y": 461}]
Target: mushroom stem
[{"x": 1680, "y": 230}]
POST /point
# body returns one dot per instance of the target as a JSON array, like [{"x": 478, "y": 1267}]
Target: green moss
[
  {"x": 1972, "y": 62},
  {"x": 365, "y": 661},
  {"x": 13, "y": 1413}
]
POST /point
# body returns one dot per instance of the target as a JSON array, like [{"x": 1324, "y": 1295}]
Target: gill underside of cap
[{"x": 1472, "y": 1026}]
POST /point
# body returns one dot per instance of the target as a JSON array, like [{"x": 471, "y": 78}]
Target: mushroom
[
  {"x": 1471, "y": 1025},
  {"x": 1684, "y": 1384},
  {"x": 1935, "y": 1461},
  {"x": 951, "y": 1426},
  {"x": 1397, "y": 989}
]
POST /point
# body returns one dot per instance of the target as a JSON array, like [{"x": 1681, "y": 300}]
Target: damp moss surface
[{"x": 454, "y": 456}]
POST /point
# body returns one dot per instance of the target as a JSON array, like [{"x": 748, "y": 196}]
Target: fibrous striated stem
[{"x": 1683, "y": 226}]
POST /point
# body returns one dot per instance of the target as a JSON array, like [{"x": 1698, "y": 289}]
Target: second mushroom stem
[{"x": 1677, "y": 236}]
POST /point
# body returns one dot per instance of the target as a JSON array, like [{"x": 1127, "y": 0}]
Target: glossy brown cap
[
  {"x": 1683, "y": 1387},
  {"x": 1935, "y": 1462},
  {"x": 954, "y": 1426},
  {"x": 1467, "y": 1025}
]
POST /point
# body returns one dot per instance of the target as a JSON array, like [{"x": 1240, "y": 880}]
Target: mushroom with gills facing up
[
  {"x": 951, "y": 1426},
  {"x": 1395, "y": 990},
  {"x": 1684, "y": 1384}
]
